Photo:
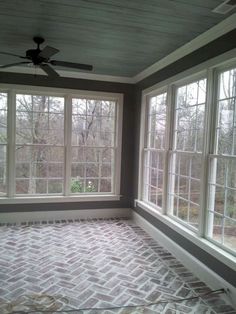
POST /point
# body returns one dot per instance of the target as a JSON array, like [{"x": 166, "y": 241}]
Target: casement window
[
  {"x": 59, "y": 144},
  {"x": 188, "y": 154}
]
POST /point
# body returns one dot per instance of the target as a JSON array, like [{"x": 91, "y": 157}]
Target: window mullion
[
  {"x": 68, "y": 132},
  {"x": 142, "y": 145},
  {"x": 11, "y": 129},
  {"x": 168, "y": 146},
  {"x": 207, "y": 142},
  {"x": 171, "y": 146},
  {"x": 116, "y": 176}
]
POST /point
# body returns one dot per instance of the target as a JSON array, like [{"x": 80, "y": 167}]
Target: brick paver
[{"x": 95, "y": 263}]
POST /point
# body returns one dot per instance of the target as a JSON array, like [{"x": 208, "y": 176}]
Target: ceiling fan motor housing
[{"x": 33, "y": 55}]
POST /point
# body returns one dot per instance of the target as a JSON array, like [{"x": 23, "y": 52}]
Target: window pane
[
  {"x": 3, "y": 142},
  {"x": 185, "y": 188},
  {"x": 157, "y": 121},
  {"x": 36, "y": 163},
  {"x": 3, "y": 169},
  {"x": 190, "y": 111},
  {"x": 39, "y": 120},
  {"x": 222, "y": 200},
  {"x": 230, "y": 233},
  {"x": 3, "y": 118},
  {"x": 105, "y": 185},
  {"x": 154, "y": 177},
  {"x": 226, "y": 124},
  {"x": 93, "y": 122}
]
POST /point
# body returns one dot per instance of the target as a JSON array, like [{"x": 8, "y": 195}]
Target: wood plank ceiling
[{"x": 119, "y": 38}]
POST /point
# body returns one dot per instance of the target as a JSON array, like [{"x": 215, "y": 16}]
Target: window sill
[
  {"x": 58, "y": 199},
  {"x": 225, "y": 257}
]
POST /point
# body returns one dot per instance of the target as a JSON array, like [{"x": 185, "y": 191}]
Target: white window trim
[
  {"x": 208, "y": 246},
  {"x": 68, "y": 94},
  {"x": 215, "y": 65},
  {"x": 163, "y": 151}
]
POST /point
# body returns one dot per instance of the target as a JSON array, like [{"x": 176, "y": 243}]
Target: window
[
  {"x": 93, "y": 145},
  {"x": 188, "y": 154},
  {"x": 222, "y": 179},
  {"x": 3, "y": 143},
  {"x": 186, "y": 159},
  {"x": 39, "y": 157},
  {"x": 63, "y": 145},
  {"x": 155, "y": 149}
]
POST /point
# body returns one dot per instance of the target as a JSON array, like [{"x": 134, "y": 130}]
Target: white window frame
[
  {"x": 209, "y": 68},
  {"x": 173, "y": 151},
  {"x": 213, "y": 154},
  {"x": 162, "y": 151},
  {"x": 6, "y": 146},
  {"x": 67, "y": 94}
]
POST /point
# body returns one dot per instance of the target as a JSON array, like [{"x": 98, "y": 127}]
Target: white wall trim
[
  {"x": 43, "y": 199},
  {"x": 179, "y": 226},
  {"x": 71, "y": 74},
  {"x": 205, "y": 274},
  {"x": 18, "y": 217},
  {"x": 213, "y": 33}
]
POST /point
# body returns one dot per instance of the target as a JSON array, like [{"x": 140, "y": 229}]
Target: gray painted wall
[
  {"x": 127, "y": 138},
  {"x": 211, "y": 50}
]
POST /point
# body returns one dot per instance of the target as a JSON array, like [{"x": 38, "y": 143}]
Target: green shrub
[{"x": 76, "y": 187}]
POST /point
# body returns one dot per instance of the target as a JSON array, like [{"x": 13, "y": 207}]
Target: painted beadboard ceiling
[{"x": 118, "y": 37}]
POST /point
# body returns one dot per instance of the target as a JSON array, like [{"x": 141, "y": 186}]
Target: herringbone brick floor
[{"x": 92, "y": 264}]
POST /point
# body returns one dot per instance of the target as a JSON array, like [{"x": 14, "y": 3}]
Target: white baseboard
[
  {"x": 18, "y": 217},
  {"x": 205, "y": 274}
]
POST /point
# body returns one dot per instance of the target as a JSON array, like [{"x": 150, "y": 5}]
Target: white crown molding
[
  {"x": 72, "y": 74},
  {"x": 213, "y": 33}
]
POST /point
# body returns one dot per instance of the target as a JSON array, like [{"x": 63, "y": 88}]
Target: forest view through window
[
  {"x": 188, "y": 154},
  {"x": 62, "y": 145}
]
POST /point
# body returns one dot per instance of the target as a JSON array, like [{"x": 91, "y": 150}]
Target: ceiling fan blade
[
  {"x": 47, "y": 52},
  {"x": 13, "y": 64},
  {"x": 79, "y": 66},
  {"x": 49, "y": 71},
  {"x": 11, "y": 54}
]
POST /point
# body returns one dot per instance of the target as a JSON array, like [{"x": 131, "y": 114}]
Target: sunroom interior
[{"x": 118, "y": 185}]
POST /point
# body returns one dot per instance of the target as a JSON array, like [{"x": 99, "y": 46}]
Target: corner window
[{"x": 188, "y": 154}]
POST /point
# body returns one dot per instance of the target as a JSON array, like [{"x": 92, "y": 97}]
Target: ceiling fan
[{"x": 41, "y": 58}]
